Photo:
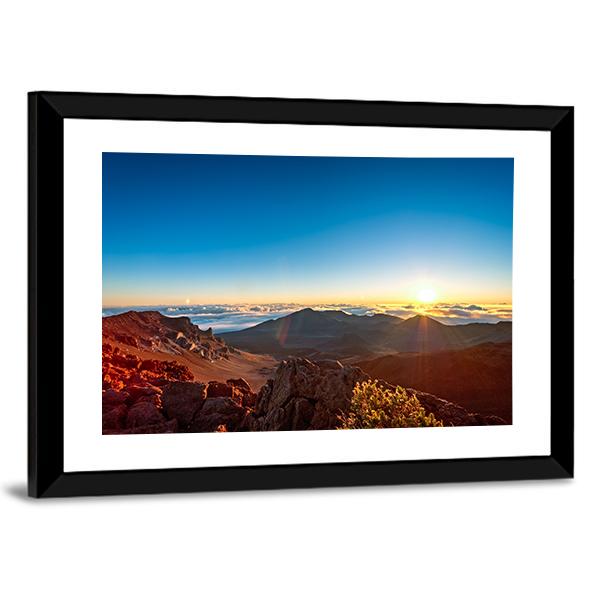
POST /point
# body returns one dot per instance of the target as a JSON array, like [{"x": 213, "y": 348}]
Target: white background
[
  {"x": 522, "y": 540},
  {"x": 87, "y": 449}
]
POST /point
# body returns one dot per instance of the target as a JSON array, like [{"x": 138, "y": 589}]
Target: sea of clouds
[{"x": 233, "y": 317}]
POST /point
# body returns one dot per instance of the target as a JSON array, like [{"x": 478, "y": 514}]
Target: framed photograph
[{"x": 252, "y": 293}]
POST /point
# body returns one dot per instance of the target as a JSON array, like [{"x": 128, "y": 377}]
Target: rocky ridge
[
  {"x": 154, "y": 332},
  {"x": 479, "y": 378},
  {"x": 152, "y": 396},
  {"x": 141, "y": 396},
  {"x": 326, "y": 334},
  {"x": 311, "y": 395}
]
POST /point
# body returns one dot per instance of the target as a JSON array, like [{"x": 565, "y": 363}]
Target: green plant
[{"x": 374, "y": 407}]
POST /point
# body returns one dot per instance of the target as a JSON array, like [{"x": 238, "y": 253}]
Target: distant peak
[
  {"x": 308, "y": 311},
  {"x": 422, "y": 319},
  {"x": 380, "y": 315}
]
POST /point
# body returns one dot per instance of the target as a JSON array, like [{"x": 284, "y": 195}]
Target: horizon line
[{"x": 308, "y": 304}]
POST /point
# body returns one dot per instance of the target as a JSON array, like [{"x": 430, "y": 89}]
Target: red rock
[
  {"x": 160, "y": 371},
  {"x": 173, "y": 370},
  {"x": 155, "y": 399},
  {"x": 150, "y": 330},
  {"x": 150, "y": 365},
  {"x": 114, "y": 418},
  {"x": 129, "y": 361},
  {"x": 247, "y": 399},
  {"x": 137, "y": 391},
  {"x": 305, "y": 395},
  {"x": 144, "y": 414},
  {"x": 113, "y": 397},
  {"x": 112, "y": 382},
  {"x": 182, "y": 400},
  {"x": 216, "y": 412},
  {"x": 217, "y": 389},
  {"x": 240, "y": 383},
  {"x": 134, "y": 378},
  {"x": 129, "y": 340}
]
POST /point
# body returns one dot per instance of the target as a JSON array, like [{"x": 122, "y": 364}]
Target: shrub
[{"x": 374, "y": 407}]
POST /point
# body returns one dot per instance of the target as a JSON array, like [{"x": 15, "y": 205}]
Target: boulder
[
  {"x": 128, "y": 361},
  {"x": 111, "y": 381},
  {"x": 155, "y": 399},
  {"x": 217, "y": 389},
  {"x": 112, "y": 398},
  {"x": 114, "y": 418},
  {"x": 240, "y": 383},
  {"x": 306, "y": 395},
  {"x": 247, "y": 399},
  {"x": 137, "y": 392},
  {"x": 181, "y": 400},
  {"x": 144, "y": 414},
  {"x": 216, "y": 412}
]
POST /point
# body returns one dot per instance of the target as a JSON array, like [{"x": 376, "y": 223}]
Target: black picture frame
[{"x": 47, "y": 112}]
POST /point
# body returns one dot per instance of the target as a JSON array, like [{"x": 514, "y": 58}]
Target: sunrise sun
[{"x": 426, "y": 295}]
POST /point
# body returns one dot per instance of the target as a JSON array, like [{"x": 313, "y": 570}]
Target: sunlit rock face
[
  {"x": 312, "y": 395},
  {"x": 154, "y": 332}
]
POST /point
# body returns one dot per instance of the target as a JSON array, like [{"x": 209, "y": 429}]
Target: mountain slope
[
  {"x": 151, "y": 335},
  {"x": 306, "y": 394},
  {"x": 478, "y": 378},
  {"x": 335, "y": 334},
  {"x": 424, "y": 334},
  {"x": 309, "y": 331}
]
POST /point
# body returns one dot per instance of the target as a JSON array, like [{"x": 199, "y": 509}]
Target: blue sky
[{"x": 217, "y": 229}]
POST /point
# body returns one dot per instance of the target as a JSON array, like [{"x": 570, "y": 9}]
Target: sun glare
[{"x": 426, "y": 295}]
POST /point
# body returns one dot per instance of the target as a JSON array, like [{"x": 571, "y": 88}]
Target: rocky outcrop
[
  {"x": 219, "y": 414},
  {"x": 160, "y": 397},
  {"x": 305, "y": 395},
  {"x": 122, "y": 370},
  {"x": 144, "y": 414},
  {"x": 312, "y": 395},
  {"x": 182, "y": 400},
  {"x": 154, "y": 332}
]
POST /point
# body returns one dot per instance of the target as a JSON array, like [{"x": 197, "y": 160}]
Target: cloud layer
[{"x": 233, "y": 317}]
